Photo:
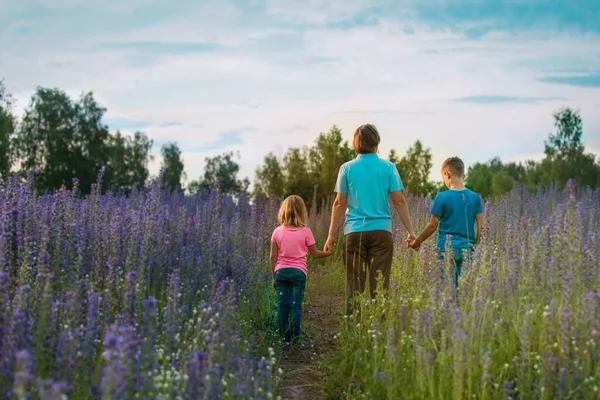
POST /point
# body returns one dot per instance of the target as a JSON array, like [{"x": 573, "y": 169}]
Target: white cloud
[{"x": 312, "y": 78}]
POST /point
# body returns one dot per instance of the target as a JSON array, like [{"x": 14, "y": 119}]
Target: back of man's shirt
[{"x": 368, "y": 181}]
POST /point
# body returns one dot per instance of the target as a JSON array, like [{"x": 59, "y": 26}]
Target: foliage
[
  {"x": 480, "y": 178},
  {"x": 172, "y": 166},
  {"x": 269, "y": 180},
  {"x": 502, "y": 183},
  {"x": 298, "y": 179},
  {"x": 128, "y": 158},
  {"x": 6, "y": 131},
  {"x": 525, "y": 323},
  {"x": 414, "y": 169},
  {"x": 151, "y": 295},
  {"x": 62, "y": 139},
  {"x": 220, "y": 173},
  {"x": 565, "y": 153},
  {"x": 325, "y": 159}
]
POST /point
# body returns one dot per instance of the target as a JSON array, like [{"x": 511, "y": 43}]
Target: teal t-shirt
[
  {"x": 457, "y": 210},
  {"x": 368, "y": 181}
]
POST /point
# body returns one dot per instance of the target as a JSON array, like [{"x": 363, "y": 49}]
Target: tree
[
  {"x": 269, "y": 180},
  {"x": 565, "y": 153},
  {"x": 480, "y": 179},
  {"x": 6, "y": 131},
  {"x": 128, "y": 160},
  {"x": 326, "y": 157},
  {"x": 502, "y": 183},
  {"x": 305, "y": 169},
  {"x": 62, "y": 139},
  {"x": 172, "y": 165},
  {"x": 220, "y": 173},
  {"x": 415, "y": 168},
  {"x": 297, "y": 178}
]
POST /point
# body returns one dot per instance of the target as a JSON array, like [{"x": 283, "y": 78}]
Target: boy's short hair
[
  {"x": 455, "y": 165},
  {"x": 293, "y": 212},
  {"x": 366, "y": 139}
]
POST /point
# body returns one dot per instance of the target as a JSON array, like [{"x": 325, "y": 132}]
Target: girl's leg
[
  {"x": 298, "y": 280},
  {"x": 284, "y": 291}
]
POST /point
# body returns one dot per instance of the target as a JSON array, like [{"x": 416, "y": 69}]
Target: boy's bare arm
[
  {"x": 315, "y": 253},
  {"x": 479, "y": 219},
  {"x": 427, "y": 232},
  {"x": 401, "y": 206}
]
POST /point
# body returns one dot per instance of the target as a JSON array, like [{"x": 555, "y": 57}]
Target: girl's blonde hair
[{"x": 293, "y": 212}]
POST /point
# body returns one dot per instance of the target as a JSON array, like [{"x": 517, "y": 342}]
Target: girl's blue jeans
[{"x": 290, "y": 284}]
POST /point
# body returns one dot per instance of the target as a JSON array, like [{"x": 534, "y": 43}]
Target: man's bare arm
[{"x": 401, "y": 206}]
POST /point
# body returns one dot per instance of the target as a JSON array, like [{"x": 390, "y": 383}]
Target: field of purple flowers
[
  {"x": 525, "y": 325},
  {"x": 150, "y": 295},
  {"x": 159, "y": 295}
]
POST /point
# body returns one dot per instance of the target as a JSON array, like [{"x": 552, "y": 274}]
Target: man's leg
[
  {"x": 381, "y": 254},
  {"x": 355, "y": 262}
]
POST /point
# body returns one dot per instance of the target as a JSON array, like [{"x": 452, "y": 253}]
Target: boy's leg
[
  {"x": 381, "y": 254},
  {"x": 459, "y": 259},
  {"x": 284, "y": 290},
  {"x": 355, "y": 261},
  {"x": 298, "y": 280}
]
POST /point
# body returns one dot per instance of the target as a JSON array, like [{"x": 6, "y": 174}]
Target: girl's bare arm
[
  {"x": 274, "y": 250},
  {"x": 314, "y": 253}
]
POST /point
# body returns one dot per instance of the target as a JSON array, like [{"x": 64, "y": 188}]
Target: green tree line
[{"x": 63, "y": 138}]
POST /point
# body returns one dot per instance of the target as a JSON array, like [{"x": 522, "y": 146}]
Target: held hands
[
  {"x": 329, "y": 245},
  {"x": 412, "y": 242}
]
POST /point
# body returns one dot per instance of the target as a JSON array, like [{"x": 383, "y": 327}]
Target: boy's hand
[{"x": 412, "y": 242}]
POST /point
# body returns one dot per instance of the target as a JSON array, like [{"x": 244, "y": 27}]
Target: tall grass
[{"x": 524, "y": 325}]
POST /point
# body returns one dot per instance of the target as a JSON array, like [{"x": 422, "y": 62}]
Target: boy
[{"x": 455, "y": 212}]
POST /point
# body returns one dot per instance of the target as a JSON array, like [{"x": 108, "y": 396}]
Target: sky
[{"x": 473, "y": 78}]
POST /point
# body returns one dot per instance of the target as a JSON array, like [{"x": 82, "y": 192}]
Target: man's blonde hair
[
  {"x": 366, "y": 139},
  {"x": 293, "y": 212}
]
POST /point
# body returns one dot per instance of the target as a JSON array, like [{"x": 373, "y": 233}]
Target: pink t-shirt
[{"x": 292, "y": 244}]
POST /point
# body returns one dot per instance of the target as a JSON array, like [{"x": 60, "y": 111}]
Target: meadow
[
  {"x": 159, "y": 295},
  {"x": 150, "y": 295},
  {"x": 524, "y": 325}
]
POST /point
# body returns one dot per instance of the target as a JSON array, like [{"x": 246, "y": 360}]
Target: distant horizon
[{"x": 467, "y": 78}]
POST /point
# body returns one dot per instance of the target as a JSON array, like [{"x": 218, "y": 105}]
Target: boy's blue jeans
[
  {"x": 290, "y": 284},
  {"x": 458, "y": 259}
]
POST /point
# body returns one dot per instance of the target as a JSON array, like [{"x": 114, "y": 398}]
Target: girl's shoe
[{"x": 286, "y": 347}]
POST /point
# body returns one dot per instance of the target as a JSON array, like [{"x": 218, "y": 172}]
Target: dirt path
[{"x": 302, "y": 365}]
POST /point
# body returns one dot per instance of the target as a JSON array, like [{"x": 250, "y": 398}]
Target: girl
[{"x": 289, "y": 244}]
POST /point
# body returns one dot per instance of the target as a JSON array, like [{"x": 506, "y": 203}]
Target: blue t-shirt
[
  {"x": 368, "y": 181},
  {"x": 457, "y": 210}
]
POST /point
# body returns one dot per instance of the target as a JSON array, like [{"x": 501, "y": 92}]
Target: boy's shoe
[{"x": 286, "y": 347}]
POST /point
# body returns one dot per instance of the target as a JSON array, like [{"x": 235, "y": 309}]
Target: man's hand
[{"x": 329, "y": 245}]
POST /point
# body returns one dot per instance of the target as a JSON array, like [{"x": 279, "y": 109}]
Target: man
[{"x": 364, "y": 189}]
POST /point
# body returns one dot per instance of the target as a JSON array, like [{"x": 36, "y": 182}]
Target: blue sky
[{"x": 474, "y": 78}]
